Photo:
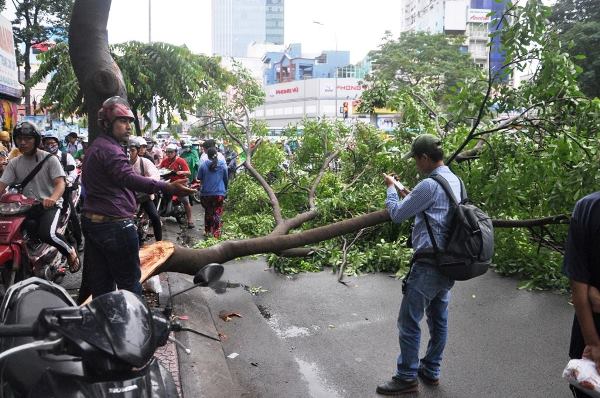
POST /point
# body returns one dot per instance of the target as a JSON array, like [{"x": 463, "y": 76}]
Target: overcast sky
[{"x": 358, "y": 24}]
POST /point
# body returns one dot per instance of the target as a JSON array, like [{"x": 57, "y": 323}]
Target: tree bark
[
  {"x": 189, "y": 261},
  {"x": 98, "y": 75}
]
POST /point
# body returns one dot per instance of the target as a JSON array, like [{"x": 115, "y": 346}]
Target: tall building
[
  {"x": 236, "y": 24},
  {"x": 467, "y": 17},
  {"x": 274, "y": 21}
]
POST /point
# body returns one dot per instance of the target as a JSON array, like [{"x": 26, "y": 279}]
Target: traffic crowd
[{"x": 116, "y": 174}]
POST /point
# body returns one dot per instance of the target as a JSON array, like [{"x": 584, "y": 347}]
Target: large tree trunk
[
  {"x": 188, "y": 261},
  {"x": 98, "y": 74}
]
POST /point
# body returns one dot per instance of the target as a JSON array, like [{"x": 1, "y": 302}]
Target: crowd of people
[{"x": 117, "y": 172}]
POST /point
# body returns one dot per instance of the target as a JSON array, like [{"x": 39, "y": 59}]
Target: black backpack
[{"x": 470, "y": 238}]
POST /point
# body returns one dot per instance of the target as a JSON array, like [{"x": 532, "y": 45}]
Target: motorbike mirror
[
  {"x": 209, "y": 274},
  {"x": 70, "y": 167}
]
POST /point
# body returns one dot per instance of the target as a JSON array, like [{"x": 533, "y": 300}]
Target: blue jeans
[
  {"x": 111, "y": 257},
  {"x": 427, "y": 291}
]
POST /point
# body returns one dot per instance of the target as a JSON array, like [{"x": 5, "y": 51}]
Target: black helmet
[{"x": 27, "y": 129}]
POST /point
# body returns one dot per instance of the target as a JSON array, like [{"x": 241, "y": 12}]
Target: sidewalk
[{"x": 204, "y": 372}]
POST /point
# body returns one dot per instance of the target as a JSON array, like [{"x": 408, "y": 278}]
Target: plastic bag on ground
[
  {"x": 582, "y": 374},
  {"x": 153, "y": 285}
]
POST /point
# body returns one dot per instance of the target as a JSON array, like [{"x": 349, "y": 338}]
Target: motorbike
[
  {"x": 195, "y": 184},
  {"x": 53, "y": 348},
  {"x": 142, "y": 223},
  {"x": 170, "y": 205},
  {"x": 22, "y": 253}
]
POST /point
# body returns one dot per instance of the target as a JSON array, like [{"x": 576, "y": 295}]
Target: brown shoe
[
  {"x": 398, "y": 386},
  {"x": 431, "y": 381}
]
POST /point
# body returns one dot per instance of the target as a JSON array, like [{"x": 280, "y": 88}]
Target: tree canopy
[
  {"x": 578, "y": 23},
  {"x": 433, "y": 61},
  {"x": 170, "y": 77},
  {"x": 37, "y": 21}
]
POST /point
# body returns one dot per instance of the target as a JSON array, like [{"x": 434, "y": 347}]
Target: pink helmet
[{"x": 113, "y": 108}]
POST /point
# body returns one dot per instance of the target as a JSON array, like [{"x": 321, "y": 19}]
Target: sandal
[
  {"x": 74, "y": 263},
  {"x": 191, "y": 225}
]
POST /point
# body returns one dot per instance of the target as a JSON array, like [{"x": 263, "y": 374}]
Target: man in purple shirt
[{"x": 112, "y": 247}]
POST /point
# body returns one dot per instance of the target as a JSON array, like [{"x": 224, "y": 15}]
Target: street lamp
[
  {"x": 149, "y": 21},
  {"x": 336, "y": 68}
]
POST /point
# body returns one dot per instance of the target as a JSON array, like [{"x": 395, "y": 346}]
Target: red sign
[
  {"x": 287, "y": 91},
  {"x": 351, "y": 87}
]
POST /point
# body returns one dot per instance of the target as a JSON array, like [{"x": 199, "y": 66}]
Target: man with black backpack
[{"x": 426, "y": 290}]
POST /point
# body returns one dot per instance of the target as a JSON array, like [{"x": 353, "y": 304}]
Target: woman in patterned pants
[{"x": 213, "y": 176}]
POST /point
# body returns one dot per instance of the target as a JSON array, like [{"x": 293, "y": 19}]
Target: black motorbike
[{"x": 53, "y": 348}]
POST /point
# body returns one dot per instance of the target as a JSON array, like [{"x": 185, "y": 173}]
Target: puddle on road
[
  {"x": 284, "y": 333},
  {"x": 288, "y": 332},
  {"x": 317, "y": 387}
]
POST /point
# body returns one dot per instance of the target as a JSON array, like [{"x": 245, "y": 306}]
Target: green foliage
[
  {"x": 432, "y": 62},
  {"x": 246, "y": 196},
  {"x": 584, "y": 40},
  {"x": 170, "y": 78},
  {"x": 37, "y": 21}
]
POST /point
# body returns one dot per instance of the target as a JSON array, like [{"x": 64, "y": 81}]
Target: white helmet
[
  {"x": 142, "y": 141},
  {"x": 133, "y": 141},
  {"x": 171, "y": 147}
]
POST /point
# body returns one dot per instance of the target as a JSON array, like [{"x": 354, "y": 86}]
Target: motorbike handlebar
[{"x": 17, "y": 330}]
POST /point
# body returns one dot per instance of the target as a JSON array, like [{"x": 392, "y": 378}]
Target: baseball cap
[{"x": 423, "y": 144}]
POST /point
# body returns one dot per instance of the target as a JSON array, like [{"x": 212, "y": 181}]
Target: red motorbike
[{"x": 22, "y": 254}]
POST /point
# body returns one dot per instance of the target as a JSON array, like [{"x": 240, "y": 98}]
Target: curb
[{"x": 204, "y": 372}]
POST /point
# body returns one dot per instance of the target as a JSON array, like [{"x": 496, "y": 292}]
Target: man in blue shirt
[{"x": 427, "y": 290}]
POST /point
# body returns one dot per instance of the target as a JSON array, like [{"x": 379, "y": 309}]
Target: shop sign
[{"x": 9, "y": 79}]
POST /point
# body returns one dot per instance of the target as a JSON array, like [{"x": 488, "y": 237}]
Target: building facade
[
  {"x": 291, "y": 102},
  {"x": 237, "y": 24},
  {"x": 291, "y": 65},
  {"x": 467, "y": 17}
]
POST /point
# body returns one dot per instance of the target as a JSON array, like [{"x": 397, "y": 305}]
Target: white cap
[{"x": 171, "y": 147}]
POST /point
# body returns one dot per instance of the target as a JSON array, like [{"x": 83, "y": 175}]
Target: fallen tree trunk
[{"x": 188, "y": 261}]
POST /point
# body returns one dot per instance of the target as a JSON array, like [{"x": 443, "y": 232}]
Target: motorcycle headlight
[{"x": 10, "y": 209}]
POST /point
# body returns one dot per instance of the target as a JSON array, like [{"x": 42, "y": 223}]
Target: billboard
[
  {"x": 479, "y": 15},
  {"x": 9, "y": 80}
]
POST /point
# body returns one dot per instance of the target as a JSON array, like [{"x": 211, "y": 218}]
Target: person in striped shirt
[{"x": 426, "y": 290}]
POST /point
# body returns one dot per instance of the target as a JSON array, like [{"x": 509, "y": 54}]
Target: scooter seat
[{"x": 24, "y": 369}]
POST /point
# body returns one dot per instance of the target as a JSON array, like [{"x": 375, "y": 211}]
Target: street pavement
[{"x": 310, "y": 336}]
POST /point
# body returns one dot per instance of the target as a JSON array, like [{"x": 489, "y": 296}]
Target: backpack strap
[
  {"x": 33, "y": 172},
  {"x": 446, "y": 187},
  {"x": 63, "y": 159},
  {"x": 142, "y": 166}
]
